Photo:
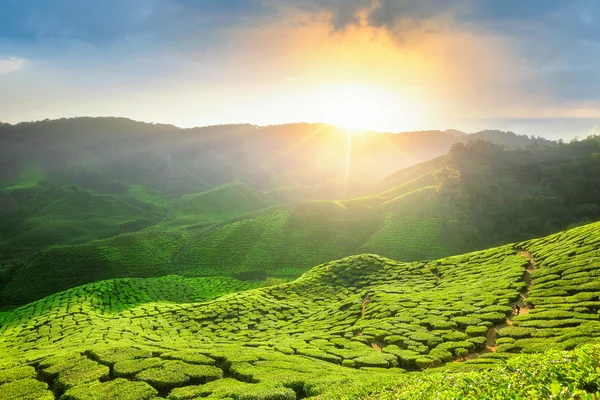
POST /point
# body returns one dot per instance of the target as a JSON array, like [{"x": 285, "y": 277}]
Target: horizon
[
  {"x": 339, "y": 127},
  {"x": 387, "y": 66}
]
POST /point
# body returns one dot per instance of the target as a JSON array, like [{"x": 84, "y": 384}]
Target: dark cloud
[
  {"x": 388, "y": 13},
  {"x": 107, "y": 21},
  {"x": 511, "y": 9}
]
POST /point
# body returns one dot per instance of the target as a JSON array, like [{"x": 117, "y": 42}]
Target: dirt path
[
  {"x": 376, "y": 345},
  {"x": 365, "y": 303},
  {"x": 519, "y": 307}
]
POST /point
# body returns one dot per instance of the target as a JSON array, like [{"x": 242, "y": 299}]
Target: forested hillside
[
  {"x": 491, "y": 196},
  {"x": 56, "y": 237}
]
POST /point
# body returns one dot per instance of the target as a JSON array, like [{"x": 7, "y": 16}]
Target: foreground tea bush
[{"x": 554, "y": 375}]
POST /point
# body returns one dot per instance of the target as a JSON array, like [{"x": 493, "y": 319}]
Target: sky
[{"x": 532, "y": 66}]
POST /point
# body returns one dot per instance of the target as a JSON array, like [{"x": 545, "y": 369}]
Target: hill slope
[
  {"x": 218, "y": 204},
  {"x": 69, "y": 215},
  {"x": 308, "y": 337},
  {"x": 280, "y": 242},
  {"x": 492, "y": 196},
  {"x": 144, "y": 253},
  {"x": 479, "y": 195}
]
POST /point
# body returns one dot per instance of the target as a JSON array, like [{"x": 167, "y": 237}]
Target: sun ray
[
  {"x": 320, "y": 129},
  {"x": 348, "y": 164}
]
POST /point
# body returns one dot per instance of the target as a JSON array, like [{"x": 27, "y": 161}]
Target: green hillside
[
  {"x": 345, "y": 329},
  {"x": 492, "y": 196},
  {"x": 478, "y": 196},
  {"x": 274, "y": 242},
  {"x": 65, "y": 216},
  {"x": 110, "y": 155},
  {"x": 68, "y": 215},
  {"x": 142, "y": 261},
  {"x": 411, "y": 175},
  {"x": 85, "y": 199},
  {"x": 218, "y": 204}
]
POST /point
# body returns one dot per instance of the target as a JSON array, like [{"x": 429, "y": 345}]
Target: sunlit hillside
[{"x": 364, "y": 319}]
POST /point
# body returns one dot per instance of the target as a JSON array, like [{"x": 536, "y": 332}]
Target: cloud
[
  {"x": 11, "y": 64},
  {"x": 553, "y": 45}
]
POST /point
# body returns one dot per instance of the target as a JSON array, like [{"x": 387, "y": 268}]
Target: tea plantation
[
  {"x": 516, "y": 321},
  {"x": 234, "y": 231}
]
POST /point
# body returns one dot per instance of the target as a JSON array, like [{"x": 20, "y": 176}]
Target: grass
[{"x": 359, "y": 327}]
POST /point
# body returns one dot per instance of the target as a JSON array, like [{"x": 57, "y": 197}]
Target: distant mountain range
[{"x": 293, "y": 162}]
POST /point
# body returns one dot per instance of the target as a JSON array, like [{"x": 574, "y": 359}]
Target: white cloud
[{"x": 11, "y": 64}]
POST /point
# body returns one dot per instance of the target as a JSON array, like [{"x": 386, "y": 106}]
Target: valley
[{"x": 138, "y": 274}]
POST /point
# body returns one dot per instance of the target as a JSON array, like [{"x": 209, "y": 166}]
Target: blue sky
[{"x": 448, "y": 63}]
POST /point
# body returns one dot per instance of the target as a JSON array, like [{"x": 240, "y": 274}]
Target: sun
[{"x": 356, "y": 107}]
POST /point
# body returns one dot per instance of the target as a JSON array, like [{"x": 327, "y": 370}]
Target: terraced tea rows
[
  {"x": 564, "y": 296},
  {"x": 359, "y": 312}
]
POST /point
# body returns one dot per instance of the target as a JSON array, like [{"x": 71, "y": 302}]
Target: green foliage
[
  {"x": 476, "y": 330},
  {"x": 187, "y": 337},
  {"x": 121, "y": 389},
  {"x": 556, "y": 375},
  {"x": 16, "y": 373},
  {"x": 277, "y": 242},
  {"x": 25, "y": 389},
  {"x": 172, "y": 374},
  {"x": 493, "y": 195},
  {"x": 230, "y": 388}
]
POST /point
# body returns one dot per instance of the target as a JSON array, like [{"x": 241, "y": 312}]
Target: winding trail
[
  {"x": 523, "y": 306},
  {"x": 520, "y": 306},
  {"x": 376, "y": 345},
  {"x": 365, "y": 303}
]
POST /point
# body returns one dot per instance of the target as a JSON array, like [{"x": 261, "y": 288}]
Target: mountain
[
  {"x": 109, "y": 155},
  {"x": 77, "y": 183},
  {"x": 425, "y": 211},
  {"x": 346, "y": 328}
]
